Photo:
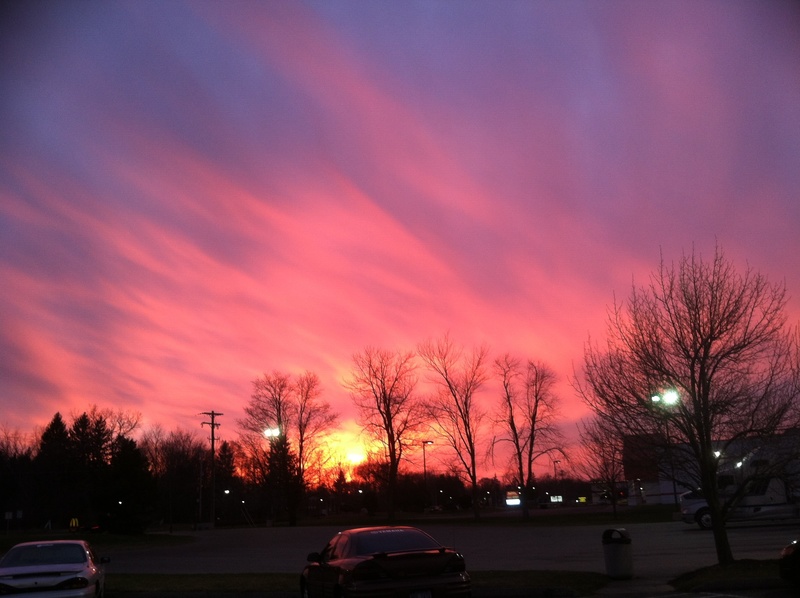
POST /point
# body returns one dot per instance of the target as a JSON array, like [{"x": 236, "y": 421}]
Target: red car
[
  {"x": 789, "y": 563},
  {"x": 397, "y": 562}
]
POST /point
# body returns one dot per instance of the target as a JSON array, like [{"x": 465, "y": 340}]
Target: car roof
[
  {"x": 83, "y": 543},
  {"x": 381, "y": 528}
]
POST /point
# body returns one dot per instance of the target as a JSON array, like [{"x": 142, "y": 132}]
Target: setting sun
[{"x": 356, "y": 456}]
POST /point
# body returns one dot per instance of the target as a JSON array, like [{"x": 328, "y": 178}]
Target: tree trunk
[
  {"x": 721, "y": 541},
  {"x": 523, "y": 497}
]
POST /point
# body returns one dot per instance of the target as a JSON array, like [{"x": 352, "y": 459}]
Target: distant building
[{"x": 656, "y": 472}]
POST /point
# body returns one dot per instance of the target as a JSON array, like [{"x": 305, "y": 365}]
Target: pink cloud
[{"x": 215, "y": 194}]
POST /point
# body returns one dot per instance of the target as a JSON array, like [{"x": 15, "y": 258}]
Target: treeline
[
  {"x": 103, "y": 471},
  {"x": 91, "y": 471}
]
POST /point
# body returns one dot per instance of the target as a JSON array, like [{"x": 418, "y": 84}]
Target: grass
[
  {"x": 743, "y": 570},
  {"x": 231, "y": 582},
  {"x": 576, "y": 583}
]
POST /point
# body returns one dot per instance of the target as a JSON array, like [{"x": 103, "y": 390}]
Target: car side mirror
[{"x": 314, "y": 557}]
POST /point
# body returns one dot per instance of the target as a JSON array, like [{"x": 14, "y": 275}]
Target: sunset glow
[{"x": 194, "y": 193}]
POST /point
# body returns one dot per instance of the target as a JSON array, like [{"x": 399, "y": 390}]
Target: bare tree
[
  {"x": 283, "y": 406},
  {"x": 271, "y": 406},
  {"x": 528, "y": 417},
  {"x": 601, "y": 458},
  {"x": 14, "y": 444},
  {"x": 453, "y": 408},
  {"x": 122, "y": 422},
  {"x": 382, "y": 385},
  {"x": 176, "y": 460},
  {"x": 718, "y": 339},
  {"x": 314, "y": 418}
]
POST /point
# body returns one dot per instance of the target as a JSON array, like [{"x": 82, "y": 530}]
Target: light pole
[
  {"x": 667, "y": 400},
  {"x": 273, "y": 435},
  {"x": 425, "y": 467},
  {"x": 424, "y": 462}
]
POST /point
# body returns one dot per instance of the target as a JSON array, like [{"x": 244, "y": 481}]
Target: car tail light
[
  {"x": 74, "y": 583},
  {"x": 790, "y": 549},
  {"x": 456, "y": 564},
  {"x": 367, "y": 570}
]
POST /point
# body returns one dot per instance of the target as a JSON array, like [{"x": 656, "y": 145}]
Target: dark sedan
[
  {"x": 397, "y": 562},
  {"x": 789, "y": 563}
]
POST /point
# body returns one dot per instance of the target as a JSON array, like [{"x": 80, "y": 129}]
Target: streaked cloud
[{"x": 194, "y": 193}]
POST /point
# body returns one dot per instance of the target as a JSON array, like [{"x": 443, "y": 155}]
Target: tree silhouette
[
  {"x": 454, "y": 409},
  {"x": 382, "y": 386},
  {"x": 527, "y": 417},
  {"x": 715, "y": 342},
  {"x": 601, "y": 458},
  {"x": 283, "y": 481},
  {"x": 54, "y": 473},
  {"x": 130, "y": 495}
]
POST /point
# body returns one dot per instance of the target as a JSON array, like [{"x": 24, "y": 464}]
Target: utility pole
[{"x": 213, "y": 415}]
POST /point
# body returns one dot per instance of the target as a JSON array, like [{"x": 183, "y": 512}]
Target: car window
[
  {"x": 343, "y": 547},
  {"x": 329, "y": 553},
  {"x": 44, "y": 554},
  {"x": 393, "y": 540}
]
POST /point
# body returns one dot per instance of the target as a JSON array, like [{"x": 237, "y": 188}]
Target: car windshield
[
  {"x": 393, "y": 540},
  {"x": 44, "y": 554}
]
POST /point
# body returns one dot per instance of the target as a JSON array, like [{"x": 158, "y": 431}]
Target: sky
[{"x": 195, "y": 193}]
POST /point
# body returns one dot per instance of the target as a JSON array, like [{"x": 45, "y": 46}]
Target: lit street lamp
[
  {"x": 667, "y": 400},
  {"x": 272, "y": 432}
]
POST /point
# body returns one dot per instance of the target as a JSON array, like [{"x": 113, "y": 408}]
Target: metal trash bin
[{"x": 618, "y": 553}]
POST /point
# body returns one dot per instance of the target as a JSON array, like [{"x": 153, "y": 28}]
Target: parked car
[
  {"x": 385, "y": 561},
  {"x": 57, "y": 569},
  {"x": 789, "y": 563}
]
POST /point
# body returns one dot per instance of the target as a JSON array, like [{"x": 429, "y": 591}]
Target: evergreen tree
[
  {"x": 284, "y": 484},
  {"x": 52, "y": 468},
  {"x": 132, "y": 487}
]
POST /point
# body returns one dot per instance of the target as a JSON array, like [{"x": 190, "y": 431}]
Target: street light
[
  {"x": 272, "y": 432},
  {"x": 669, "y": 399}
]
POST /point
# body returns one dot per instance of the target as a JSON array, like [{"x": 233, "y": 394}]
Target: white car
[{"x": 57, "y": 569}]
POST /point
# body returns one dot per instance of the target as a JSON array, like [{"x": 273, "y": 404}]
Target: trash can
[{"x": 617, "y": 553}]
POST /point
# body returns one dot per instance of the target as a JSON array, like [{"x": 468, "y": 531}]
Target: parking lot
[{"x": 661, "y": 551}]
